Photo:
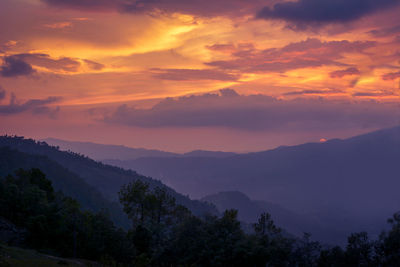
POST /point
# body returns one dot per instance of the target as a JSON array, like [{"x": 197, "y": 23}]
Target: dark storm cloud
[
  {"x": 94, "y": 5},
  {"x": 44, "y": 60},
  {"x": 303, "y": 12},
  {"x": 305, "y": 54},
  {"x": 14, "y": 66},
  {"x": 195, "y": 7},
  {"x": 193, "y": 75},
  {"x": 22, "y": 64},
  {"x": 257, "y": 112},
  {"x": 345, "y": 72}
]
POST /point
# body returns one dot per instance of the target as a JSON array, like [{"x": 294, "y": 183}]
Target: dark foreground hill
[
  {"x": 63, "y": 180},
  {"x": 104, "y": 179},
  {"x": 34, "y": 216},
  {"x": 346, "y": 184}
]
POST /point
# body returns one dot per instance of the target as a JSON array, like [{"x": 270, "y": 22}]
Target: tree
[
  {"x": 56, "y": 224},
  {"x": 134, "y": 198},
  {"x": 388, "y": 247},
  {"x": 266, "y": 226},
  {"x": 307, "y": 252},
  {"x": 359, "y": 250}
]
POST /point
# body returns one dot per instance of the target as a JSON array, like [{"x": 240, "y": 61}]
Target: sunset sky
[{"x": 178, "y": 75}]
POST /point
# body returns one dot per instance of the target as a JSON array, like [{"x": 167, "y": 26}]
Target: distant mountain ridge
[
  {"x": 351, "y": 183},
  {"x": 118, "y": 152},
  {"x": 100, "y": 151}
]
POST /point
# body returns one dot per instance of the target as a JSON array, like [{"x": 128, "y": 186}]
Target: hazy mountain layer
[
  {"x": 351, "y": 183},
  {"x": 118, "y": 152}
]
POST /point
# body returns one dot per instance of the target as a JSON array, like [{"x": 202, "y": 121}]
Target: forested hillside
[
  {"x": 62, "y": 180},
  {"x": 164, "y": 233},
  {"x": 105, "y": 179}
]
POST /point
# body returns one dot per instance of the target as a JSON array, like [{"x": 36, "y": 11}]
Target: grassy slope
[{"x": 12, "y": 256}]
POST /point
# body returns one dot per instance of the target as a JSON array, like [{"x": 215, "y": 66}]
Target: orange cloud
[{"x": 58, "y": 25}]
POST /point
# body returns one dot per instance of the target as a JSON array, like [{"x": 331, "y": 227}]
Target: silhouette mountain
[
  {"x": 79, "y": 175},
  {"x": 62, "y": 180}
]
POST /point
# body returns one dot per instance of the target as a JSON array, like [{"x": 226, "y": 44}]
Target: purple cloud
[
  {"x": 391, "y": 76},
  {"x": 94, "y": 65},
  {"x": 22, "y": 64},
  {"x": 387, "y": 31},
  {"x": 374, "y": 94},
  {"x": 345, "y": 72},
  {"x": 2, "y": 93},
  {"x": 14, "y": 66},
  {"x": 36, "y": 106},
  {"x": 305, "y": 54},
  {"x": 257, "y": 113},
  {"x": 314, "y": 92},
  {"x": 44, "y": 60}
]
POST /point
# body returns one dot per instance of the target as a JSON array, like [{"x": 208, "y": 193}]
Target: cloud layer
[
  {"x": 257, "y": 113},
  {"x": 391, "y": 76},
  {"x": 23, "y": 64},
  {"x": 310, "y": 53},
  {"x": 304, "y": 12},
  {"x": 195, "y": 7},
  {"x": 193, "y": 75},
  {"x": 346, "y": 72},
  {"x": 36, "y": 106}
]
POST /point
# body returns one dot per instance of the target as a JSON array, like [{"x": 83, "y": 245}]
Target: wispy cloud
[
  {"x": 391, "y": 76},
  {"x": 23, "y": 64},
  {"x": 314, "y": 92},
  {"x": 305, "y": 54},
  {"x": 59, "y": 25},
  {"x": 193, "y": 74},
  {"x": 346, "y": 72}
]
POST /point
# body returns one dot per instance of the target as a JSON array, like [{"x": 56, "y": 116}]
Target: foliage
[
  {"x": 55, "y": 223},
  {"x": 165, "y": 233},
  {"x": 105, "y": 179},
  {"x": 62, "y": 179}
]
